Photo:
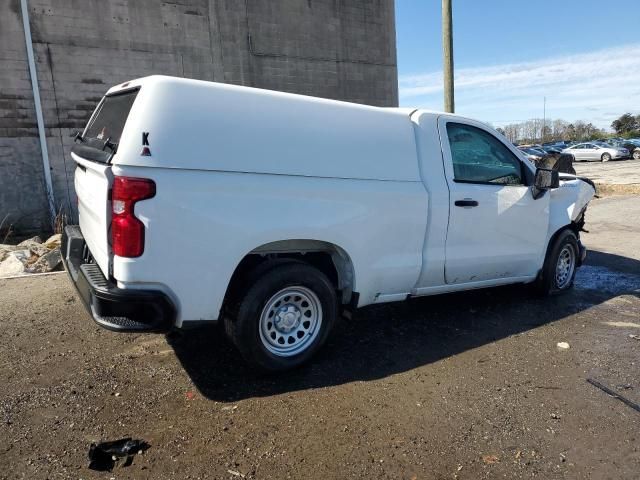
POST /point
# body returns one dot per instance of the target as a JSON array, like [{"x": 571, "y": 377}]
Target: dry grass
[
  {"x": 618, "y": 189},
  {"x": 8, "y": 231},
  {"x": 60, "y": 221}
]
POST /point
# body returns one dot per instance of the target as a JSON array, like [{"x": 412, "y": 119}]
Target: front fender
[{"x": 568, "y": 203}]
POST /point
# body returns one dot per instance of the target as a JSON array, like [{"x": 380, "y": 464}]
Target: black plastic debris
[
  {"x": 613, "y": 394},
  {"x": 104, "y": 456}
]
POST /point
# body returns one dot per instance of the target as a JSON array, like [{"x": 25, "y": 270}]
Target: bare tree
[{"x": 535, "y": 129}]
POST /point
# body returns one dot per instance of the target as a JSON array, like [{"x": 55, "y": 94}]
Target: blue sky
[{"x": 583, "y": 55}]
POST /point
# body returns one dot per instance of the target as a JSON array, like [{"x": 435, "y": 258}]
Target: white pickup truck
[{"x": 272, "y": 212}]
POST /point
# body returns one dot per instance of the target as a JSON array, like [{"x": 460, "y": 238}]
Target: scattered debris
[
  {"x": 104, "y": 456},
  {"x": 29, "y": 241},
  {"x": 608, "y": 391},
  {"x": 563, "y": 346},
  {"x": 54, "y": 241},
  {"x": 190, "y": 395},
  {"x": 31, "y": 256},
  {"x": 236, "y": 474},
  {"x": 5, "y": 249},
  {"x": 36, "y": 247},
  {"x": 490, "y": 459},
  {"x": 623, "y": 324},
  {"x": 47, "y": 262},
  {"x": 15, "y": 263},
  {"x": 555, "y": 416},
  {"x": 635, "y": 337}
]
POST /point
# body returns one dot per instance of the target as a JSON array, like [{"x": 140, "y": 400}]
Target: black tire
[
  {"x": 245, "y": 329},
  {"x": 547, "y": 283},
  {"x": 605, "y": 157},
  {"x": 636, "y": 155}
]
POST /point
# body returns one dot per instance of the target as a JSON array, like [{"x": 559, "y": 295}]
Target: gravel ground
[
  {"x": 467, "y": 386},
  {"x": 614, "y": 172}
]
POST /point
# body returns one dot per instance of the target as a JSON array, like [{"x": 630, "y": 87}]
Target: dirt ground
[
  {"x": 467, "y": 386},
  {"x": 614, "y": 172}
]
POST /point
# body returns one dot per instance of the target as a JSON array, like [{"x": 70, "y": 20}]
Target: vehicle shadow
[{"x": 383, "y": 340}]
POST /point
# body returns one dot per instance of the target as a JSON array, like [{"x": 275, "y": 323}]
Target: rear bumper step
[{"x": 116, "y": 309}]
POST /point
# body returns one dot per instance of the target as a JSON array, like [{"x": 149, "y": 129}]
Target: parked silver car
[{"x": 595, "y": 151}]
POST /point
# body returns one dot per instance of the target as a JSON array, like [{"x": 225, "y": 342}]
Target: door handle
[{"x": 467, "y": 202}]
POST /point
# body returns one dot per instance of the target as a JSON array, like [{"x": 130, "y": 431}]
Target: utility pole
[
  {"x": 544, "y": 117},
  {"x": 447, "y": 56}
]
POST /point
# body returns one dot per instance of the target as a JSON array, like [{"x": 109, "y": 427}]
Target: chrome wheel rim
[
  {"x": 565, "y": 266},
  {"x": 290, "y": 321}
]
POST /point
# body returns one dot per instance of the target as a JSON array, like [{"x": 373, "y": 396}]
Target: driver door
[{"x": 496, "y": 228}]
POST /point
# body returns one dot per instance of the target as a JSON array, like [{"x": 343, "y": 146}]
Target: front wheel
[
  {"x": 560, "y": 265},
  {"x": 284, "y": 317},
  {"x": 636, "y": 155},
  {"x": 605, "y": 157}
]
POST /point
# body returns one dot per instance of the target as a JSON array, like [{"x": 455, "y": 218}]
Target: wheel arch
[
  {"x": 329, "y": 258},
  {"x": 575, "y": 227}
]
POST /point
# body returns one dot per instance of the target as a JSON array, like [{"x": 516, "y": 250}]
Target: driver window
[{"x": 479, "y": 157}]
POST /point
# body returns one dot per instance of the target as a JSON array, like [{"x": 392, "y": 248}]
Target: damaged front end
[{"x": 569, "y": 204}]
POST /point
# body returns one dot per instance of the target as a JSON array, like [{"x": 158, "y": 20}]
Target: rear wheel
[
  {"x": 560, "y": 265},
  {"x": 605, "y": 157},
  {"x": 284, "y": 317}
]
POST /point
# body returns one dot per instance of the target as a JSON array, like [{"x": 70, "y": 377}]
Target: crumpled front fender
[{"x": 568, "y": 202}]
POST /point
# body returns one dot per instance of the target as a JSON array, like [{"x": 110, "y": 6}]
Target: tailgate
[
  {"x": 93, "y": 177},
  {"x": 93, "y": 183}
]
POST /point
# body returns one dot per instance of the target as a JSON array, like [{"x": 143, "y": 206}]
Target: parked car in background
[
  {"x": 549, "y": 157},
  {"x": 533, "y": 154},
  {"x": 610, "y": 140},
  {"x": 560, "y": 144},
  {"x": 553, "y": 149},
  {"x": 632, "y": 146},
  {"x": 595, "y": 151},
  {"x": 635, "y": 153}
]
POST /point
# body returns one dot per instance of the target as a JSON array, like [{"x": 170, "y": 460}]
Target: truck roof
[{"x": 197, "y": 124}]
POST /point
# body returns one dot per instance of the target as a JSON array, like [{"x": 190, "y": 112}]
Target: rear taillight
[{"x": 127, "y": 232}]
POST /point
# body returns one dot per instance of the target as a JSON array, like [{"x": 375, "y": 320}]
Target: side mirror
[{"x": 545, "y": 179}]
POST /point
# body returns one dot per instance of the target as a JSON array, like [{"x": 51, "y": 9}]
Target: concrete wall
[{"x": 342, "y": 49}]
